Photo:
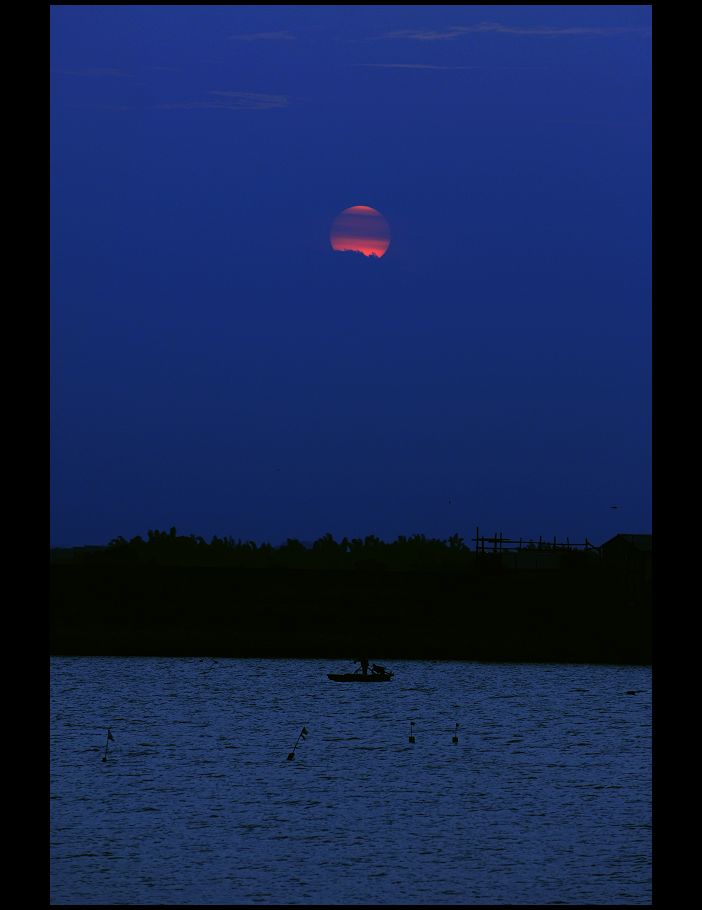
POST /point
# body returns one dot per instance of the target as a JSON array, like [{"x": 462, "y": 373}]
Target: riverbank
[{"x": 177, "y": 611}]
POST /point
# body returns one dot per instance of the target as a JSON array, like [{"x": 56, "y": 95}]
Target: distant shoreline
[{"x": 545, "y": 617}]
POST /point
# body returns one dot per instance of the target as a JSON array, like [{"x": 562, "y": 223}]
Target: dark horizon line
[{"x": 328, "y": 537}]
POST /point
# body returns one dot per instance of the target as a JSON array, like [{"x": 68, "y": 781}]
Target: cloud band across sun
[{"x": 360, "y": 229}]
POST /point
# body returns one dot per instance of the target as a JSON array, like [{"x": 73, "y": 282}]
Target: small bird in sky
[{"x": 614, "y": 507}]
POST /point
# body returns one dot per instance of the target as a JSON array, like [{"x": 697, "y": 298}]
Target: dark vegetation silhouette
[
  {"x": 415, "y": 597},
  {"x": 167, "y": 548}
]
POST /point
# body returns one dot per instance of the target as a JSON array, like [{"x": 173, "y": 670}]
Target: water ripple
[{"x": 198, "y": 804}]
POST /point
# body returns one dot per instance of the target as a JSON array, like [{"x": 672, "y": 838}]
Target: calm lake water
[{"x": 546, "y": 797}]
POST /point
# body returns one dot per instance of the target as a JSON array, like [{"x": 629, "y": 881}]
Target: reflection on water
[{"x": 544, "y": 798}]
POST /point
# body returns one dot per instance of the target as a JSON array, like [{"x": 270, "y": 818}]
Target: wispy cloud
[
  {"x": 456, "y": 31},
  {"x": 430, "y": 66},
  {"x": 230, "y": 101},
  {"x": 264, "y": 36},
  {"x": 96, "y": 71},
  {"x": 419, "y": 35},
  {"x": 103, "y": 107},
  {"x": 414, "y": 66}
]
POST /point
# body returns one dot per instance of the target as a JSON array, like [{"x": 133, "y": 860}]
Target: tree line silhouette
[
  {"x": 417, "y": 551},
  {"x": 414, "y": 597}
]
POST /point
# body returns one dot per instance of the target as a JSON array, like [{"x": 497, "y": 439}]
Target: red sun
[{"x": 361, "y": 229}]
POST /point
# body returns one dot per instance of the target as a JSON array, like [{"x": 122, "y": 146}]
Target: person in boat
[
  {"x": 363, "y": 661},
  {"x": 381, "y": 671}
]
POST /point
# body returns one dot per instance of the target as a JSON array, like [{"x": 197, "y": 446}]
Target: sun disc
[{"x": 360, "y": 229}]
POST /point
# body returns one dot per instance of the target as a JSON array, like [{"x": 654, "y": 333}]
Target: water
[{"x": 546, "y": 797}]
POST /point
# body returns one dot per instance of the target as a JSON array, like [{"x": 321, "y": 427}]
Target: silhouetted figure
[
  {"x": 363, "y": 661},
  {"x": 381, "y": 671}
]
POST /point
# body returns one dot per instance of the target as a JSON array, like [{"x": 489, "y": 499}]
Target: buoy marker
[
  {"x": 454, "y": 738},
  {"x": 303, "y": 733},
  {"x": 109, "y": 737},
  {"x": 411, "y": 736}
]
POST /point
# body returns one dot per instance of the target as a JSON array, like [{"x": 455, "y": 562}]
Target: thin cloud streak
[
  {"x": 103, "y": 107},
  {"x": 264, "y": 36},
  {"x": 230, "y": 101},
  {"x": 96, "y": 71},
  {"x": 415, "y": 35},
  {"x": 414, "y": 66},
  {"x": 427, "y": 66},
  {"x": 457, "y": 31}
]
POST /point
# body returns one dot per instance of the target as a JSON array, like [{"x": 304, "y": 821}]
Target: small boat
[{"x": 359, "y": 677}]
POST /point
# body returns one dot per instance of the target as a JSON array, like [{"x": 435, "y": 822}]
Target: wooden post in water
[
  {"x": 411, "y": 736},
  {"x": 454, "y": 738},
  {"x": 109, "y": 737}
]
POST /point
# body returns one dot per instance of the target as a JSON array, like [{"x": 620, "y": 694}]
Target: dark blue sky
[{"x": 217, "y": 367}]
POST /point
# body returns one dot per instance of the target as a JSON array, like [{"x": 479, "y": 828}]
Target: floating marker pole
[
  {"x": 109, "y": 737},
  {"x": 303, "y": 734},
  {"x": 411, "y": 736},
  {"x": 454, "y": 738}
]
